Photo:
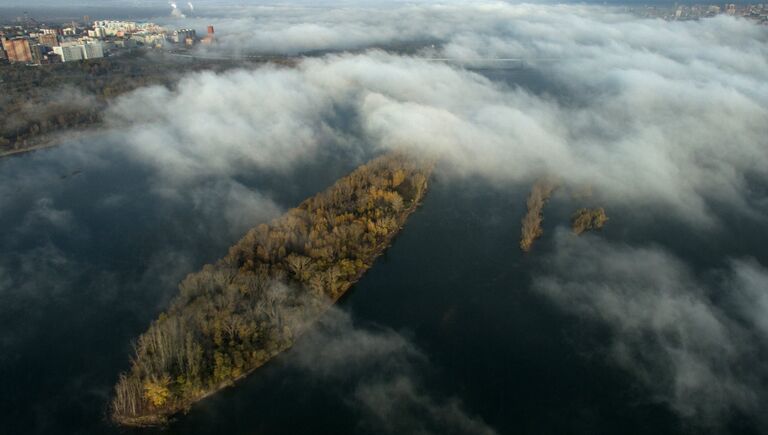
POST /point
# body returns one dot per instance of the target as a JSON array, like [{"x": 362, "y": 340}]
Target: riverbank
[
  {"x": 27, "y": 150},
  {"x": 58, "y": 98},
  {"x": 50, "y": 141}
]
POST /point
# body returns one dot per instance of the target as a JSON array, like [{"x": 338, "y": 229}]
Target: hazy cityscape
[
  {"x": 383, "y": 217},
  {"x": 35, "y": 44},
  {"x": 30, "y": 42}
]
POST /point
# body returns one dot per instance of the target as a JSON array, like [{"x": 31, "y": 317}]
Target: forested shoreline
[
  {"x": 233, "y": 316},
  {"x": 39, "y": 102}
]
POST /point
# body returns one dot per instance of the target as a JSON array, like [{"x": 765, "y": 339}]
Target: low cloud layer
[
  {"x": 694, "y": 344},
  {"x": 649, "y": 112},
  {"x": 386, "y": 371},
  {"x": 652, "y": 115}
]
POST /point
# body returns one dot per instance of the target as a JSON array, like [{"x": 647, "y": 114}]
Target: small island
[
  {"x": 235, "y": 315},
  {"x": 588, "y": 219},
  {"x": 531, "y": 224}
]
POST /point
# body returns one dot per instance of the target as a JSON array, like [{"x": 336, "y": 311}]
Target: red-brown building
[
  {"x": 17, "y": 50},
  {"x": 49, "y": 40},
  {"x": 210, "y": 37}
]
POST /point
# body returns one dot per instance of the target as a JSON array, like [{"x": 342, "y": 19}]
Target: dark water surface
[{"x": 87, "y": 260}]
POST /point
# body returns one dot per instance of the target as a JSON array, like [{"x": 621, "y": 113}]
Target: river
[{"x": 92, "y": 251}]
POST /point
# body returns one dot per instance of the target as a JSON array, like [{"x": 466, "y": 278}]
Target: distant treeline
[
  {"x": 233, "y": 316},
  {"x": 38, "y": 101}
]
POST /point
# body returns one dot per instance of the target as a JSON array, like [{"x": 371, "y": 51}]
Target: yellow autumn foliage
[{"x": 157, "y": 391}]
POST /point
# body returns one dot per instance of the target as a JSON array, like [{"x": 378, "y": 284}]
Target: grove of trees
[
  {"x": 234, "y": 315},
  {"x": 588, "y": 219}
]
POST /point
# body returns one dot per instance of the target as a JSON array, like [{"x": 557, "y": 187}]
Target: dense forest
[
  {"x": 233, "y": 316},
  {"x": 40, "y": 100}
]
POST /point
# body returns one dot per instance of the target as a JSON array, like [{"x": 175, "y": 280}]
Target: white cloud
[
  {"x": 668, "y": 328},
  {"x": 651, "y": 113},
  {"x": 750, "y": 280},
  {"x": 46, "y": 214},
  {"x": 398, "y": 406},
  {"x": 643, "y": 125},
  {"x": 385, "y": 369}
]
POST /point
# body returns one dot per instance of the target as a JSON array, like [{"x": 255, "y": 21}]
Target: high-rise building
[
  {"x": 49, "y": 40},
  {"x": 93, "y": 50},
  {"x": 42, "y": 54},
  {"x": 112, "y": 27},
  {"x": 17, "y": 50},
  {"x": 74, "y": 52},
  {"x": 125, "y": 43},
  {"x": 180, "y": 36},
  {"x": 69, "y": 53},
  {"x": 38, "y": 53},
  {"x": 210, "y": 37}
]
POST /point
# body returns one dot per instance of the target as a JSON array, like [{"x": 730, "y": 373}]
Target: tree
[
  {"x": 157, "y": 392},
  {"x": 299, "y": 265}
]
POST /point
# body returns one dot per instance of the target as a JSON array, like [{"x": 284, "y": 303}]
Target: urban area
[
  {"x": 682, "y": 12},
  {"x": 30, "y": 42}
]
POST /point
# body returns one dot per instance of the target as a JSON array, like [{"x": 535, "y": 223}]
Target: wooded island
[{"x": 233, "y": 316}]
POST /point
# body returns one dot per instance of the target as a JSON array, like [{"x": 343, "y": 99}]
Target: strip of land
[
  {"x": 531, "y": 224},
  {"x": 235, "y": 315}
]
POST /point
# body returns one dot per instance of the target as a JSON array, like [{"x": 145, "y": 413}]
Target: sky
[
  {"x": 646, "y": 114},
  {"x": 322, "y": 3}
]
